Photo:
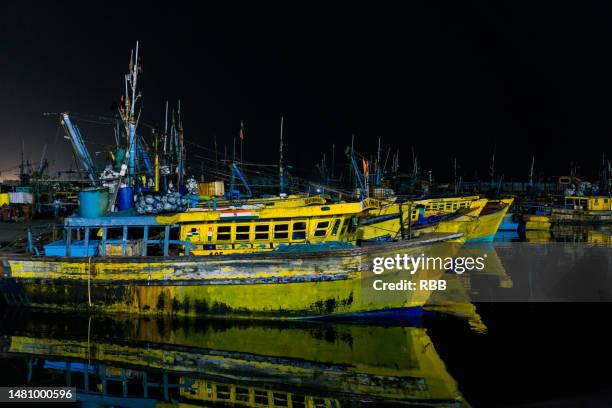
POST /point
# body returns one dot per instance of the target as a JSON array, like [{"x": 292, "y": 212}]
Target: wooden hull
[{"x": 274, "y": 285}]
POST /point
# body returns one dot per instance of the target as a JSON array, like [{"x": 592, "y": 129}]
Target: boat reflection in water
[
  {"x": 592, "y": 234},
  {"x": 458, "y": 297},
  {"x": 136, "y": 362}
]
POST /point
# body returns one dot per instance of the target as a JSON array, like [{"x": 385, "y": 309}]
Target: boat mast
[
  {"x": 455, "y": 174},
  {"x": 493, "y": 166},
  {"x": 531, "y": 171},
  {"x": 280, "y": 161},
  {"x": 333, "y": 163},
  {"x": 132, "y": 80}
]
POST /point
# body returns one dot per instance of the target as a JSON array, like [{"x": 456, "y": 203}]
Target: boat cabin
[{"x": 588, "y": 203}]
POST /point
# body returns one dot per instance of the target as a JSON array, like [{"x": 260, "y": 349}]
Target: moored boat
[
  {"x": 479, "y": 224},
  {"x": 583, "y": 210},
  {"x": 393, "y": 220},
  {"x": 317, "y": 273}
]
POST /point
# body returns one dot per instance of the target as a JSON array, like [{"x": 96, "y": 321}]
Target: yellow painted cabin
[
  {"x": 259, "y": 230},
  {"x": 595, "y": 203}
]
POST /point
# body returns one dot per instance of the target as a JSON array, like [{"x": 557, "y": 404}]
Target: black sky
[{"x": 451, "y": 79}]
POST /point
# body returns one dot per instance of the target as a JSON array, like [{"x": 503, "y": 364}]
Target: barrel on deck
[
  {"x": 93, "y": 202},
  {"x": 125, "y": 198}
]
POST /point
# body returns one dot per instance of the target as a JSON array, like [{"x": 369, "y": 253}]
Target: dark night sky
[{"x": 451, "y": 79}]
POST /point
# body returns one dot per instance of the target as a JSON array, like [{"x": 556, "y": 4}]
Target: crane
[{"x": 74, "y": 135}]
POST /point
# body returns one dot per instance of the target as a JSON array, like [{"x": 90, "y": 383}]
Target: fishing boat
[
  {"x": 390, "y": 221},
  {"x": 269, "y": 263},
  {"x": 477, "y": 224},
  {"x": 488, "y": 220},
  {"x": 145, "y": 362},
  {"x": 583, "y": 210}
]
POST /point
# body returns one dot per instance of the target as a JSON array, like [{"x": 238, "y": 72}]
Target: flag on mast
[{"x": 241, "y": 130}]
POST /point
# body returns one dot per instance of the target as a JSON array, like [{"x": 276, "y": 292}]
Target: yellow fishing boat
[
  {"x": 245, "y": 364},
  {"x": 279, "y": 285},
  {"x": 584, "y": 210},
  {"x": 478, "y": 223},
  {"x": 387, "y": 222},
  {"x": 217, "y": 266},
  {"x": 488, "y": 221}
]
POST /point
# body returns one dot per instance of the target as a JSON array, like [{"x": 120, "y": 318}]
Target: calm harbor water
[{"x": 457, "y": 354}]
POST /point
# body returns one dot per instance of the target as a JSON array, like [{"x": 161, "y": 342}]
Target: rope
[{"x": 89, "y": 280}]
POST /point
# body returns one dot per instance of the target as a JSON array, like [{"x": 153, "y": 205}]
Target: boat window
[
  {"x": 223, "y": 234},
  {"x": 336, "y": 227},
  {"x": 325, "y": 208},
  {"x": 223, "y": 392},
  {"x": 262, "y": 228},
  {"x": 323, "y": 224},
  {"x": 353, "y": 223},
  {"x": 299, "y": 226},
  {"x": 262, "y": 235},
  {"x": 298, "y": 401},
  {"x": 281, "y": 235},
  {"x": 280, "y": 399},
  {"x": 261, "y": 397},
  {"x": 281, "y": 227},
  {"x": 243, "y": 232},
  {"x": 448, "y": 205},
  {"x": 242, "y": 394},
  {"x": 298, "y": 235},
  {"x": 299, "y": 231},
  {"x": 225, "y": 228}
]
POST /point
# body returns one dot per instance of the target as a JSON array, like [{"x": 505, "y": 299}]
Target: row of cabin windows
[
  {"x": 264, "y": 398},
  {"x": 279, "y": 231},
  {"x": 449, "y": 205}
]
